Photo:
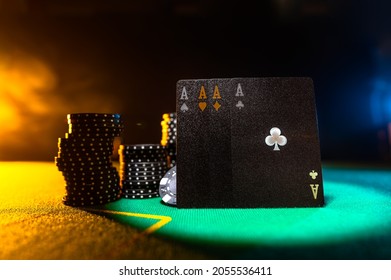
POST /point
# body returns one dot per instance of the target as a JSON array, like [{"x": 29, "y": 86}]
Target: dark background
[{"x": 126, "y": 56}]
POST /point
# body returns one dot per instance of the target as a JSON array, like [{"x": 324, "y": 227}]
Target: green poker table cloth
[{"x": 355, "y": 223}]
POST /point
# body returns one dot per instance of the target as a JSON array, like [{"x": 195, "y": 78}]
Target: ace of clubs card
[{"x": 248, "y": 143}]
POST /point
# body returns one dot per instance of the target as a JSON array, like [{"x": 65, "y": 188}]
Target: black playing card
[{"x": 247, "y": 142}]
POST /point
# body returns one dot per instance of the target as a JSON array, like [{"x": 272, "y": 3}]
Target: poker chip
[
  {"x": 140, "y": 178},
  {"x": 85, "y": 150},
  {"x": 77, "y": 201},
  {"x": 93, "y": 116},
  {"x": 93, "y": 173},
  {"x": 93, "y": 193},
  {"x": 94, "y": 124},
  {"x": 69, "y": 158},
  {"x": 143, "y": 153},
  {"x": 90, "y": 121},
  {"x": 92, "y": 181},
  {"x": 139, "y": 182},
  {"x": 140, "y": 196},
  {"x": 139, "y": 191},
  {"x": 79, "y": 162},
  {"x": 142, "y": 173},
  {"x": 167, "y": 187},
  {"x": 99, "y": 189},
  {"x": 143, "y": 158},
  {"x": 87, "y": 134},
  {"x": 70, "y": 153},
  {"x": 71, "y": 141},
  {"x": 141, "y": 147},
  {"x": 146, "y": 165},
  {"x": 87, "y": 129},
  {"x": 84, "y": 158},
  {"x": 83, "y": 168}
]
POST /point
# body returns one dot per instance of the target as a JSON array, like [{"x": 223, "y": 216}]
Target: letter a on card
[{"x": 184, "y": 94}]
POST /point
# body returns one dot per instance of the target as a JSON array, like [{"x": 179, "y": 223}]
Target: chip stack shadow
[
  {"x": 169, "y": 137},
  {"x": 142, "y": 166},
  {"x": 84, "y": 158}
]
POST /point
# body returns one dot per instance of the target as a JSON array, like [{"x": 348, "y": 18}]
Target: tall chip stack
[
  {"x": 84, "y": 158},
  {"x": 142, "y": 167},
  {"x": 169, "y": 137}
]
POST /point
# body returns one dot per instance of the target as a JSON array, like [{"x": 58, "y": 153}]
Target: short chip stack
[
  {"x": 142, "y": 167},
  {"x": 84, "y": 158},
  {"x": 169, "y": 137}
]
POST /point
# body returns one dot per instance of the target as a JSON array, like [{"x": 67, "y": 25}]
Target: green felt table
[{"x": 355, "y": 223}]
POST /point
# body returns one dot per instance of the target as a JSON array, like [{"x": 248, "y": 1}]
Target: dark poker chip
[
  {"x": 141, "y": 170},
  {"x": 139, "y": 183},
  {"x": 142, "y": 173},
  {"x": 140, "y": 178},
  {"x": 93, "y": 115},
  {"x": 95, "y": 124},
  {"x": 91, "y": 181},
  {"x": 142, "y": 160},
  {"x": 128, "y": 165},
  {"x": 74, "y": 153},
  {"x": 87, "y": 145},
  {"x": 141, "y": 147},
  {"x": 82, "y": 161},
  {"x": 139, "y": 191},
  {"x": 149, "y": 152},
  {"x": 83, "y": 168},
  {"x": 145, "y": 188},
  {"x": 105, "y": 174},
  {"x": 94, "y": 193},
  {"x": 76, "y": 201},
  {"x": 101, "y": 123},
  {"x": 140, "y": 196},
  {"x": 167, "y": 187},
  {"x": 158, "y": 157},
  {"x": 94, "y": 133},
  {"x": 102, "y": 150},
  {"x": 85, "y": 141},
  {"x": 95, "y": 128},
  {"x": 69, "y": 158},
  {"x": 109, "y": 184},
  {"x": 91, "y": 173},
  {"x": 106, "y": 135},
  {"x": 108, "y": 188},
  {"x": 91, "y": 130}
]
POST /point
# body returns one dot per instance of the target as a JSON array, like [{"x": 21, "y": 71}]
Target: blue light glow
[{"x": 381, "y": 102}]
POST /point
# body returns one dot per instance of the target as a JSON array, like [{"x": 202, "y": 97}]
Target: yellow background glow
[{"x": 24, "y": 81}]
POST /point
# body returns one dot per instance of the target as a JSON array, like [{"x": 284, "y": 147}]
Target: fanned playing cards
[{"x": 247, "y": 143}]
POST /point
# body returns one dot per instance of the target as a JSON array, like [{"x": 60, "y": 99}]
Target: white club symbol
[{"x": 275, "y": 138}]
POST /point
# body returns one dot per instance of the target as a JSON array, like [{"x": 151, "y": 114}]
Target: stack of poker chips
[
  {"x": 84, "y": 158},
  {"x": 169, "y": 137},
  {"x": 142, "y": 167}
]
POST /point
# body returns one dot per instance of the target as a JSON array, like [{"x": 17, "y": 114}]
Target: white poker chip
[{"x": 167, "y": 187}]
